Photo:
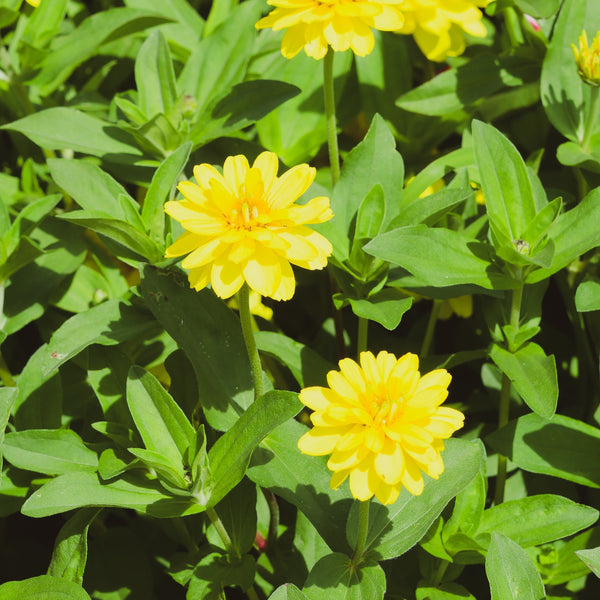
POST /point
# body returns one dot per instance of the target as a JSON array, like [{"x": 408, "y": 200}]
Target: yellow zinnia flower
[
  {"x": 588, "y": 59},
  {"x": 342, "y": 24},
  {"x": 438, "y": 26},
  {"x": 244, "y": 226},
  {"x": 382, "y": 423}
]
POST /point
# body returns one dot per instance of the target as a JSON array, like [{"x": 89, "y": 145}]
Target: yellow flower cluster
[
  {"x": 588, "y": 59},
  {"x": 438, "y": 26},
  {"x": 382, "y": 423},
  {"x": 243, "y": 226}
]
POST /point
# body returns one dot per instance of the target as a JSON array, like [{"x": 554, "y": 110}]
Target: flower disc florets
[
  {"x": 243, "y": 226},
  {"x": 382, "y": 423}
]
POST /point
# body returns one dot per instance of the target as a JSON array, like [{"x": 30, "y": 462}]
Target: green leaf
[
  {"x": 205, "y": 78},
  {"x": 154, "y": 76},
  {"x": 536, "y": 520},
  {"x": 231, "y": 453},
  {"x": 573, "y": 234},
  {"x": 76, "y": 490},
  {"x": 509, "y": 198},
  {"x": 373, "y": 161},
  {"x": 161, "y": 189},
  {"x": 7, "y": 399},
  {"x": 44, "y": 23},
  {"x": 109, "y": 324},
  {"x": 215, "y": 571},
  {"x": 565, "y": 97},
  {"x": 169, "y": 473},
  {"x": 591, "y": 558},
  {"x": 431, "y": 209},
  {"x": 303, "y": 481},
  {"x": 86, "y": 40},
  {"x": 70, "y": 548},
  {"x": 135, "y": 242},
  {"x": 79, "y": 132},
  {"x": 587, "y": 296},
  {"x": 288, "y": 591},
  {"x": 539, "y": 8},
  {"x": 439, "y": 257},
  {"x": 396, "y": 528},
  {"x": 532, "y": 373},
  {"x": 210, "y": 335},
  {"x": 511, "y": 573},
  {"x": 445, "y": 591},
  {"x": 335, "y": 577},
  {"x": 247, "y": 102},
  {"x": 25, "y": 252},
  {"x": 571, "y": 154},
  {"x": 44, "y": 586},
  {"x": 385, "y": 307},
  {"x": 561, "y": 447},
  {"x": 305, "y": 364},
  {"x": 49, "y": 451},
  {"x": 162, "y": 424}
]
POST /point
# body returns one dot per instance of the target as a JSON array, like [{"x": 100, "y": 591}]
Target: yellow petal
[
  {"x": 412, "y": 479},
  {"x": 346, "y": 459},
  {"x": 268, "y": 164},
  {"x": 203, "y": 255},
  {"x": 262, "y": 271},
  {"x": 390, "y": 464},
  {"x": 363, "y": 482},
  {"x": 185, "y": 243},
  {"x": 320, "y": 440},
  {"x": 340, "y": 385},
  {"x": 226, "y": 278},
  {"x": 234, "y": 172},
  {"x": 290, "y": 186},
  {"x": 204, "y": 173},
  {"x": 287, "y": 283},
  {"x": 199, "y": 278},
  {"x": 315, "y": 397},
  {"x": 387, "y": 494}
]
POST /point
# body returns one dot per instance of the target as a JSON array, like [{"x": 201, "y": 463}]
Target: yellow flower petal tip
[
  {"x": 244, "y": 226},
  {"x": 33, "y": 2},
  {"x": 588, "y": 59},
  {"x": 382, "y": 423}
]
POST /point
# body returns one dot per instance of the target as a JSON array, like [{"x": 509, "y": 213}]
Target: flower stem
[
  {"x": 363, "y": 331},
  {"x": 504, "y": 408},
  {"x": 332, "y": 142},
  {"x": 433, "y": 316},
  {"x": 231, "y": 549},
  {"x": 246, "y": 321},
  {"x": 363, "y": 528},
  {"x": 592, "y": 118},
  {"x": 274, "y": 517}
]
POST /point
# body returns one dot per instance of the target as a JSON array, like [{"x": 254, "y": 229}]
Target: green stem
[
  {"x": 363, "y": 528},
  {"x": 433, "y": 316},
  {"x": 363, "y": 331},
  {"x": 332, "y": 142},
  {"x": 246, "y": 321},
  {"x": 504, "y": 408},
  {"x": 274, "y": 517},
  {"x": 592, "y": 118},
  {"x": 220, "y": 528},
  {"x": 231, "y": 549}
]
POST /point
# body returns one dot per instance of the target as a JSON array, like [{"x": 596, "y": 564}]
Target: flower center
[
  {"x": 245, "y": 216},
  {"x": 384, "y": 410}
]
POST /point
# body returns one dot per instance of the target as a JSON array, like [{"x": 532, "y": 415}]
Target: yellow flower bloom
[
  {"x": 438, "y": 26},
  {"x": 33, "y": 2},
  {"x": 244, "y": 226},
  {"x": 588, "y": 59},
  {"x": 382, "y": 423},
  {"x": 256, "y": 306},
  {"x": 342, "y": 24},
  {"x": 461, "y": 306}
]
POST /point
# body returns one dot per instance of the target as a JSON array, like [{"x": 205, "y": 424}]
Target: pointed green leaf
[
  {"x": 536, "y": 520},
  {"x": 231, "y": 453},
  {"x": 439, "y": 257},
  {"x": 532, "y": 373},
  {"x": 561, "y": 447},
  {"x": 154, "y": 76},
  {"x": 385, "y": 307},
  {"x": 70, "y": 548},
  {"x": 509, "y": 198},
  {"x": 49, "y": 451},
  {"x": 162, "y": 424},
  {"x": 591, "y": 558},
  {"x": 587, "y": 296},
  {"x": 210, "y": 335},
  {"x": 511, "y": 573},
  {"x": 288, "y": 591},
  {"x": 216, "y": 571}
]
